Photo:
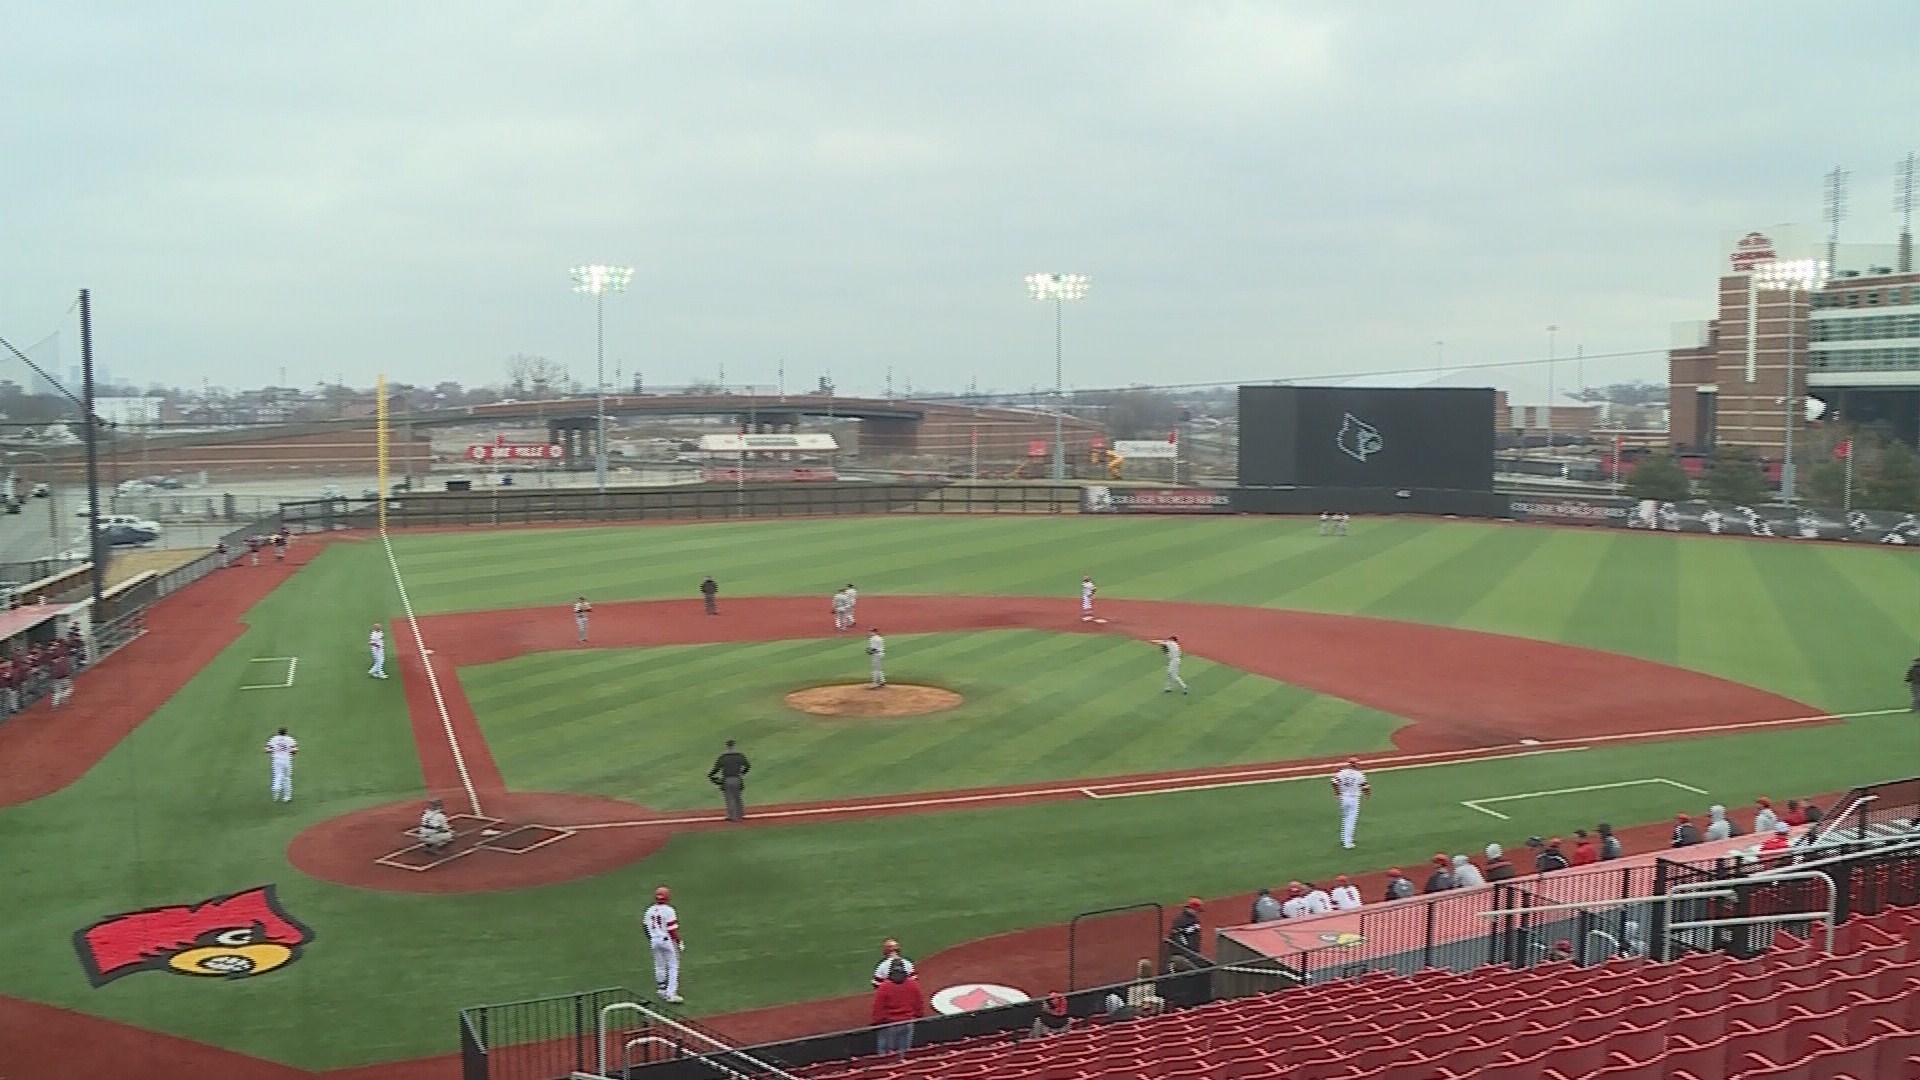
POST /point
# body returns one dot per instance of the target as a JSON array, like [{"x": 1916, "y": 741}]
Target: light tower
[
  {"x": 597, "y": 281},
  {"x": 1058, "y": 288},
  {"x": 1791, "y": 276}
]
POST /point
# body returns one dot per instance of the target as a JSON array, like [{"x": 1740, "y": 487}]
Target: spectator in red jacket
[
  {"x": 1795, "y": 816},
  {"x": 1585, "y": 853},
  {"x": 897, "y": 1003}
]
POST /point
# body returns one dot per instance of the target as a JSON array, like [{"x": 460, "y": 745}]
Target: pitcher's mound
[{"x": 855, "y": 699}]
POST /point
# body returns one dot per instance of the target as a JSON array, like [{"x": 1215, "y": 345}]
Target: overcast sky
[{"x": 1258, "y": 190}]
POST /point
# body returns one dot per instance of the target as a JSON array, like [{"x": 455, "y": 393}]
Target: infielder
[
  {"x": 1350, "y": 784},
  {"x": 662, "y": 924},
  {"x": 842, "y": 612},
  {"x": 853, "y": 604},
  {"x": 1087, "y": 589},
  {"x": 877, "y": 659},
  {"x": 1171, "y": 646},
  {"x": 377, "y": 644},
  {"x": 280, "y": 751},
  {"x": 580, "y": 611}
]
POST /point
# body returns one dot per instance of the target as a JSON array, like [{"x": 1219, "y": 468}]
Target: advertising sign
[
  {"x": 515, "y": 452},
  {"x": 1146, "y": 449},
  {"x": 734, "y": 444},
  {"x": 1037, "y": 448},
  {"x": 1145, "y": 500},
  {"x": 1571, "y": 511},
  {"x": 1744, "y": 251}
]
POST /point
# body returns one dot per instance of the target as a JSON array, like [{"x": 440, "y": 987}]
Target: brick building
[{"x": 1851, "y": 343}]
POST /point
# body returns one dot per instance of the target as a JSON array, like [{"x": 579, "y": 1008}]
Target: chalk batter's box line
[
  {"x": 1477, "y": 804},
  {"x": 292, "y": 662}
]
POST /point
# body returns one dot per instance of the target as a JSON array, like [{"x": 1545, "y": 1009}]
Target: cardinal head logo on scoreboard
[
  {"x": 1358, "y": 439},
  {"x": 226, "y": 937}
]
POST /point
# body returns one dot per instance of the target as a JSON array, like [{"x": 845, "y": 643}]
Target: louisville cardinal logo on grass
[{"x": 226, "y": 937}]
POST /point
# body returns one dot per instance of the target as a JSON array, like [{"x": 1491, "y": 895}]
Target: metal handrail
[
  {"x": 1831, "y": 916},
  {"x": 1624, "y": 902},
  {"x": 1836, "y": 819},
  {"x": 600, "y": 1040}
]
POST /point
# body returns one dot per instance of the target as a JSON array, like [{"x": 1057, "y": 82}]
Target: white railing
[
  {"x": 1836, "y": 820},
  {"x": 1831, "y": 916},
  {"x": 718, "y": 1048}
]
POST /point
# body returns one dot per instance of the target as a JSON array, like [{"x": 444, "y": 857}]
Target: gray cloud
[{"x": 1258, "y": 189}]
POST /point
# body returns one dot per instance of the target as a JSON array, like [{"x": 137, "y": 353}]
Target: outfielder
[
  {"x": 877, "y": 658},
  {"x": 280, "y": 751},
  {"x": 580, "y": 611},
  {"x": 1087, "y": 589},
  {"x": 377, "y": 644},
  {"x": 1171, "y": 646},
  {"x": 1350, "y": 784},
  {"x": 662, "y": 924}
]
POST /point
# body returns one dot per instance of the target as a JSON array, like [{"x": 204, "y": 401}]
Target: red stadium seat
[
  {"x": 1700, "y": 1060},
  {"x": 1637, "y": 1045},
  {"x": 1574, "y": 1056}
]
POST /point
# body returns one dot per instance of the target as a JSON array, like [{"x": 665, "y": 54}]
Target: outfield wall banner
[
  {"x": 1112, "y": 500},
  {"x": 1571, "y": 511},
  {"x": 1779, "y": 522}
]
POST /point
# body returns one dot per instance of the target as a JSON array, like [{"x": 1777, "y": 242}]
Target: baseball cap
[
  {"x": 1681, "y": 817},
  {"x": 1442, "y": 860},
  {"x": 1534, "y": 841},
  {"x": 1764, "y": 801},
  {"x": 1194, "y": 903},
  {"x": 1395, "y": 872}
]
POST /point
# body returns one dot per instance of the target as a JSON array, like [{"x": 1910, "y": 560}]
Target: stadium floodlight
[
  {"x": 1058, "y": 288},
  {"x": 597, "y": 280},
  {"x": 1790, "y": 276}
]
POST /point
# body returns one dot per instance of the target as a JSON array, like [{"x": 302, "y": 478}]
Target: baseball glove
[{"x": 869, "y": 652}]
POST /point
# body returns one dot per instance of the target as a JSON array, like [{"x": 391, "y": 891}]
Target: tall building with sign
[{"x": 1840, "y": 340}]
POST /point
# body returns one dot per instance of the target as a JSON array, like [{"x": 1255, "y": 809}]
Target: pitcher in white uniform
[
  {"x": 1087, "y": 589},
  {"x": 280, "y": 751},
  {"x": 877, "y": 659}
]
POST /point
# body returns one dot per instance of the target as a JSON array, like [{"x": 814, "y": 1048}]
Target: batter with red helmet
[{"x": 662, "y": 924}]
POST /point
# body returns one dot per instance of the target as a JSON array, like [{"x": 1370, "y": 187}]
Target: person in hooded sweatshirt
[
  {"x": 1465, "y": 874},
  {"x": 1764, "y": 819},
  {"x": 1609, "y": 843},
  {"x": 1718, "y": 827},
  {"x": 1498, "y": 868},
  {"x": 897, "y": 1003}
]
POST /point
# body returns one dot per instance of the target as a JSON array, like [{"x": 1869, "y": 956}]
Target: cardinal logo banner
[{"x": 236, "y": 936}]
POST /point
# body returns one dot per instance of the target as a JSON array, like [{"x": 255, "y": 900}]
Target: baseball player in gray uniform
[
  {"x": 877, "y": 658},
  {"x": 1171, "y": 646},
  {"x": 581, "y": 609}
]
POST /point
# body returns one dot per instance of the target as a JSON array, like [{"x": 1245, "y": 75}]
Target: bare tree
[{"x": 535, "y": 376}]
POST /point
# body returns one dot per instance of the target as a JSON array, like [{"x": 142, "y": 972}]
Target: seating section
[{"x": 1793, "y": 1012}]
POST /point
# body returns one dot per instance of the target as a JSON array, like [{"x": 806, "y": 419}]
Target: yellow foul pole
[{"x": 380, "y": 443}]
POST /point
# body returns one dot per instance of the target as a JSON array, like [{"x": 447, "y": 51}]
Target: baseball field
[{"x": 1481, "y": 671}]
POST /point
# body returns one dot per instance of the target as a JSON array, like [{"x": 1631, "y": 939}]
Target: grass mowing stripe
[
  {"x": 1454, "y": 585},
  {"x": 1540, "y": 591},
  {"x": 1629, "y": 604},
  {"x": 1715, "y": 591},
  {"x": 1361, "y": 585},
  {"x": 1278, "y": 581},
  {"x": 1856, "y": 667}
]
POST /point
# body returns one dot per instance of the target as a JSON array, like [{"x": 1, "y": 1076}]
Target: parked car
[
  {"x": 123, "y": 535},
  {"x": 131, "y": 522}
]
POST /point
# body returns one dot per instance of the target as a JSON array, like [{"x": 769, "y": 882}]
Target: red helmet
[
  {"x": 889, "y": 947},
  {"x": 662, "y": 894}
]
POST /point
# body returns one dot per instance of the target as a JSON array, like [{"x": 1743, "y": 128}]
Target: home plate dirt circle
[{"x": 860, "y": 700}]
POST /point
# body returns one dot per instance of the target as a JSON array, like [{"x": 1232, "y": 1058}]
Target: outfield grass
[
  {"x": 1037, "y": 707},
  {"x": 179, "y": 811}
]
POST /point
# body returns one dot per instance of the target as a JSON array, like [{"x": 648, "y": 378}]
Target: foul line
[
  {"x": 292, "y": 662},
  {"x": 1117, "y": 789},
  {"x": 1475, "y": 804},
  {"x": 433, "y": 681}
]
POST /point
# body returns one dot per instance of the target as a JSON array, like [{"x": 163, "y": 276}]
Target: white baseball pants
[
  {"x": 879, "y": 674},
  {"x": 666, "y": 968},
  {"x": 1349, "y": 817},
  {"x": 379, "y": 668},
  {"x": 1173, "y": 677},
  {"x": 283, "y": 781}
]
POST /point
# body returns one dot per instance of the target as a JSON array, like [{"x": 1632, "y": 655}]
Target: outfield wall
[{"x": 498, "y": 507}]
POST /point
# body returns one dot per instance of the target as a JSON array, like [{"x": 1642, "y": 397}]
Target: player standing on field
[
  {"x": 853, "y": 604},
  {"x": 1171, "y": 646},
  {"x": 580, "y": 611},
  {"x": 841, "y": 619},
  {"x": 877, "y": 658},
  {"x": 662, "y": 924},
  {"x": 1087, "y": 589},
  {"x": 1350, "y": 784},
  {"x": 377, "y": 644},
  {"x": 280, "y": 751}
]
